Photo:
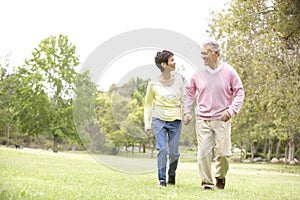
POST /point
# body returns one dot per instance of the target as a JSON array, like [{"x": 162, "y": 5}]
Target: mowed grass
[{"x": 37, "y": 174}]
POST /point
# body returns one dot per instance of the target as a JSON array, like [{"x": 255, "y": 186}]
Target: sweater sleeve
[
  {"x": 238, "y": 94},
  {"x": 148, "y": 106},
  {"x": 189, "y": 95}
]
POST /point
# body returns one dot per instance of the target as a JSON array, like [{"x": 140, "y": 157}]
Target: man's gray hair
[{"x": 215, "y": 47}]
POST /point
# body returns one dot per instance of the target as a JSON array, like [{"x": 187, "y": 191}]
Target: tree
[
  {"x": 120, "y": 114},
  {"x": 84, "y": 105},
  {"x": 108, "y": 126},
  {"x": 260, "y": 39},
  {"x": 50, "y": 73},
  {"x": 8, "y": 84},
  {"x": 133, "y": 123}
]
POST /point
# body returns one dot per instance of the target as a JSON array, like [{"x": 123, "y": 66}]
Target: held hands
[
  {"x": 226, "y": 116},
  {"x": 187, "y": 118},
  {"x": 148, "y": 132}
]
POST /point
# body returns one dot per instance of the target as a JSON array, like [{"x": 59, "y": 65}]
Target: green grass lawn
[{"x": 37, "y": 174}]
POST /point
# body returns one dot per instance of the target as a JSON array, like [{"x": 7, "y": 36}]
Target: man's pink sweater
[{"x": 217, "y": 91}]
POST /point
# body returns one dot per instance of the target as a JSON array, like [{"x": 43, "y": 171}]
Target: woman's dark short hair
[{"x": 162, "y": 57}]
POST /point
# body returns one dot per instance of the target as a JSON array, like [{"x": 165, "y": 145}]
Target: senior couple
[{"x": 219, "y": 95}]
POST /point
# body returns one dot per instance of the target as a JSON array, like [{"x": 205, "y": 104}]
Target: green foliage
[
  {"x": 120, "y": 113},
  {"x": 261, "y": 40},
  {"x": 105, "y": 117},
  {"x": 8, "y": 86},
  {"x": 83, "y": 110},
  {"x": 47, "y": 83}
]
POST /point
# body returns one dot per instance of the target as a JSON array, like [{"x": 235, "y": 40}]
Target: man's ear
[
  {"x": 216, "y": 52},
  {"x": 163, "y": 64}
]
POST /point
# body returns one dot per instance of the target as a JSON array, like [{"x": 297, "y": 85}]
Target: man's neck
[{"x": 216, "y": 65}]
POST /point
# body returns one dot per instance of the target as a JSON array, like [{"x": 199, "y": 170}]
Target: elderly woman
[{"x": 163, "y": 111}]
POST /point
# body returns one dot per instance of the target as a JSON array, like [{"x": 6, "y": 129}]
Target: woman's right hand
[
  {"x": 148, "y": 132},
  {"x": 187, "y": 118}
]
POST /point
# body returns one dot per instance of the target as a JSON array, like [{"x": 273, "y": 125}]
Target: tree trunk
[
  {"x": 55, "y": 139},
  {"x": 132, "y": 150},
  {"x": 144, "y": 148},
  {"x": 286, "y": 153},
  {"x": 252, "y": 151},
  {"x": 245, "y": 152},
  {"x": 253, "y": 147},
  {"x": 292, "y": 144},
  {"x": 291, "y": 151},
  {"x": 241, "y": 153},
  {"x": 278, "y": 148},
  {"x": 266, "y": 147},
  {"x": 270, "y": 148},
  {"x": 8, "y": 135}
]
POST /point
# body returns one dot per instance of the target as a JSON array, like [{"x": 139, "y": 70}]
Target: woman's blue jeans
[{"x": 167, "y": 134}]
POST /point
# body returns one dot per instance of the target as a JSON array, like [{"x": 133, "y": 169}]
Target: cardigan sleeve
[{"x": 149, "y": 106}]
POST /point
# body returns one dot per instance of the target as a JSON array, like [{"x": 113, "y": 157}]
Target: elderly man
[{"x": 220, "y": 95}]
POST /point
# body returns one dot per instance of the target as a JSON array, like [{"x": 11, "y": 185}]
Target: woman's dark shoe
[
  {"x": 171, "y": 180},
  {"x": 220, "y": 183}
]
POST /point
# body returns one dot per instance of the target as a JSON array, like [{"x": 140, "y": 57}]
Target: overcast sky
[{"x": 88, "y": 23}]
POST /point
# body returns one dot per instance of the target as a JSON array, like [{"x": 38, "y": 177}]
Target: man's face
[{"x": 208, "y": 56}]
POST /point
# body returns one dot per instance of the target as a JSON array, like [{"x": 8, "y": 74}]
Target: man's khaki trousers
[{"x": 213, "y": 135}]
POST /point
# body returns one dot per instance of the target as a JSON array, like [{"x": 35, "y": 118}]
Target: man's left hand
[{"x": 226, "y": 116}]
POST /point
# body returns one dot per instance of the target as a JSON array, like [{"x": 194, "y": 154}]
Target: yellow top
[{"x": 164, "y": 103}]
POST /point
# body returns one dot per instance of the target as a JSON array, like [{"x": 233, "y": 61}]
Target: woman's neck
[
  {"x": 166, "y": 79},
  {"x": 166, "y": 75}
]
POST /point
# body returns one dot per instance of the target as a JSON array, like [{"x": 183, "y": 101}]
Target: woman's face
[{"x": 171, "y": 63}]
